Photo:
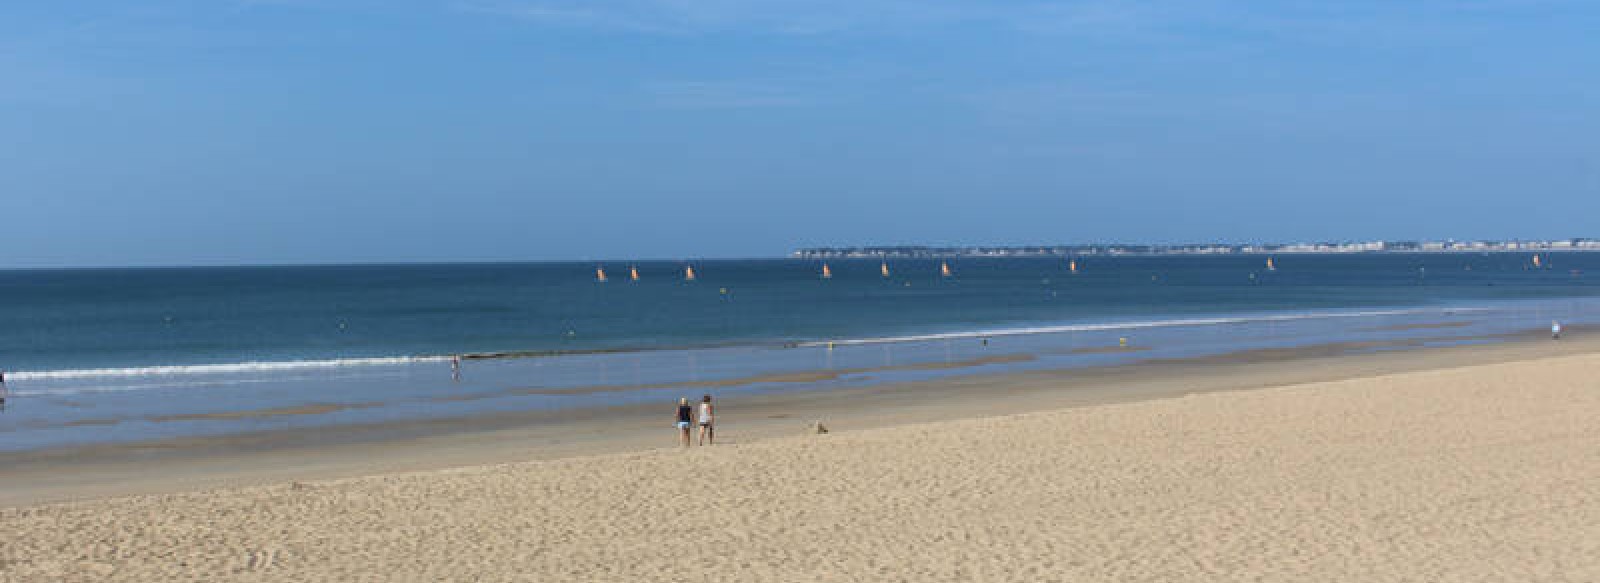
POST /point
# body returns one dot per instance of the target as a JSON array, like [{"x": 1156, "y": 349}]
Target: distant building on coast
[{"x": 1450, "y": 246}]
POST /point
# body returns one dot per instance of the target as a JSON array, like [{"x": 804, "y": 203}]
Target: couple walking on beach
[{"x": 686, "y": 419}]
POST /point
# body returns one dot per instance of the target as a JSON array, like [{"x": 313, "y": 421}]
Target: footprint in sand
[{"x": 261, "y": 560}]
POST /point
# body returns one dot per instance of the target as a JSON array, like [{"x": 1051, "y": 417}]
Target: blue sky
[{"x": 294, "y": 131}]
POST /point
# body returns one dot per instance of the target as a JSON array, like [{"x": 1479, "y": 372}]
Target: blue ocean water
[
  {"x": 118, "y": 318},
  {"x": 94, "y": 345}
]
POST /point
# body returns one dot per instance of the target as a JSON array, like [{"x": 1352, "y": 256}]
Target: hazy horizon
[{"x": 788, "y": 254}]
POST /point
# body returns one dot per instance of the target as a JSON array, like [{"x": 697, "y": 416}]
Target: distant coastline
[{"x": 915, "y": 251}]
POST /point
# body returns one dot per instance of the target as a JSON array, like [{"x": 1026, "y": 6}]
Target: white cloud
[
  {"x": 788, "y": 17},
  {"x": 1129, "y": 20}
]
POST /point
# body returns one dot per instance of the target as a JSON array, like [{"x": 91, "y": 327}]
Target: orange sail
[
  {"x": 600, "y": 274},
  {"x": 1072, "y": 265},
  {"x": 944, "y": 269},
  {"x": 688, "y": 273},
  {"x": 884, "y": 268},
  {"x": 1270, "y": 265},
  {"x": 633, "y": 273},
  {"x": 1536, "y": 261},
  {"x": 826, "y": 273}
]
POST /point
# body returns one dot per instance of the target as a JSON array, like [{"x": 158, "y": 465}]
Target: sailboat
[
  {"x": 826, "y": 273},
  {"x": 1536, "y": 261},
  {"x": 1270, "y": 265},
  {"x": 1072, "y": 265},
  {"x": 944, "y": 269},
  {"x": 600, "y": 274},
  {"x": 633, "y": 273},
  {"x": 688, "y": 273},
  {"x": 884, "y": 268}
]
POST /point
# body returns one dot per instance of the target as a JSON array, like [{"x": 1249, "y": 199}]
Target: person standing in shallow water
[
  {"x": 685, "y": 419},
  {"x": 708, "y": 428}
]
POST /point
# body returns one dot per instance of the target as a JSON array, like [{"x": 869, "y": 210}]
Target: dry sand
[{"x": 1481, "y": 473}]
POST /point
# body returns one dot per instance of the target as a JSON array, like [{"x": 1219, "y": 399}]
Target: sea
[{"x": 119, "y": 355}]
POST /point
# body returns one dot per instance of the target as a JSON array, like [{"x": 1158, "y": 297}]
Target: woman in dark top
[{"x": 685, "y": 419}]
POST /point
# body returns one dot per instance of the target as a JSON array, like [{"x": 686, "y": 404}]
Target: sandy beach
[{"x": 1462, "y": 464}]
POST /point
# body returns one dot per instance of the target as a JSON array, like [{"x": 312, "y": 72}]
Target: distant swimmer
[{"x": 1555, "y": 330}]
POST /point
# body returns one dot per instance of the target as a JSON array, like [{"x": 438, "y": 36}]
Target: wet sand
[
  {"x": 1469, "y": 463},
  {"x": 171, "y": 465},
  {"x": 1424, "y": 326},
  {"x": 317, "y": 409},
  {"x": 800, "y": 377}
]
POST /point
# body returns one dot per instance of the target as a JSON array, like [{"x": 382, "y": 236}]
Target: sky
[{"x": 212, "y": 132}]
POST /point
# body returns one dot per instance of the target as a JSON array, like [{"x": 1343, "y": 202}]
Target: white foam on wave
[
  {"x": 1136, "y": 324},
  {"x": 217, "y": 369},
  {"x": 246, "y": 368},
  {"x": 118, "y": 385}
]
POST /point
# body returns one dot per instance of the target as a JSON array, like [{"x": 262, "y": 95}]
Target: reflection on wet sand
[
  {"x": 1425, "y": 326},
  {"x": 813, "y": 376}
]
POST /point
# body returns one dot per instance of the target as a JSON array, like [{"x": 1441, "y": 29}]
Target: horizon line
[{"x": 798, "y": 252}]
